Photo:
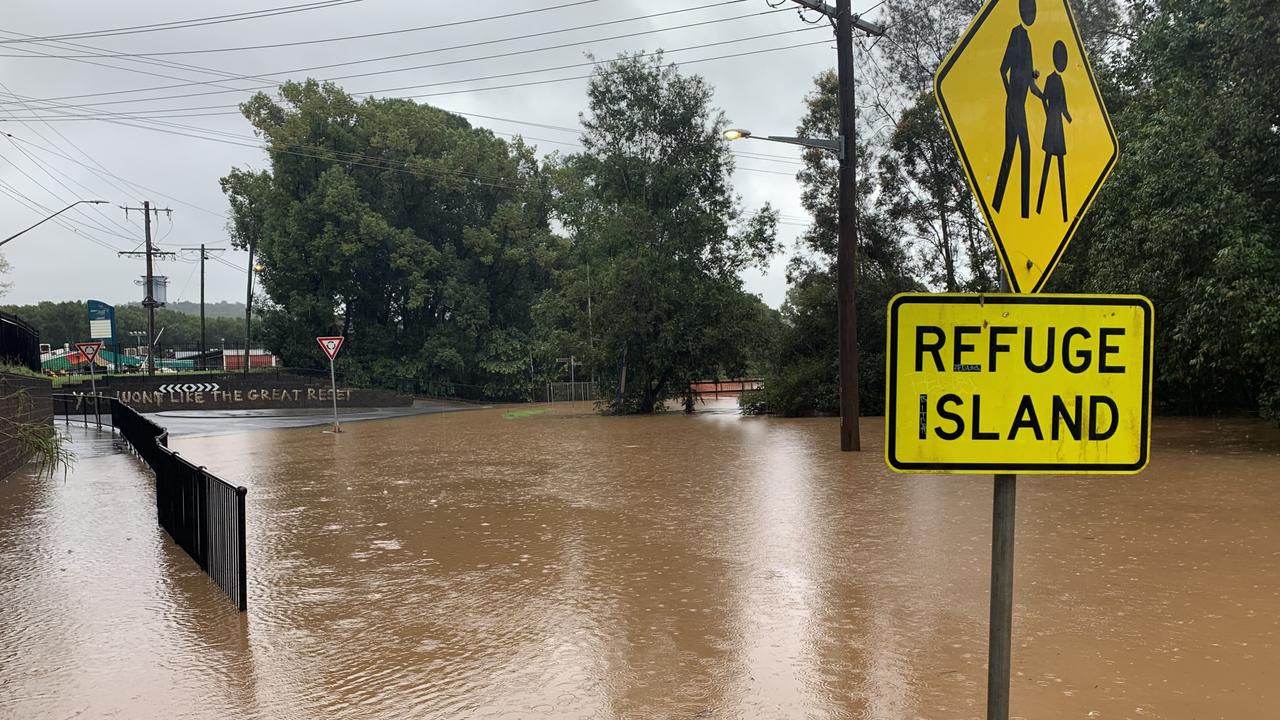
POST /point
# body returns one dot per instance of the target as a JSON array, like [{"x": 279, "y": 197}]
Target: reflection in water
[{"x": 568, "y": 565}]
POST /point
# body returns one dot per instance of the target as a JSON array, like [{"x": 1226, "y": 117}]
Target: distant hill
[{"x": 211, "y": 310}]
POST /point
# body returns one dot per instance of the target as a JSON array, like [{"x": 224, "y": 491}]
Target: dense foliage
[
  {"x": 428, "y": 242},
  {"x": 1190, "y": 217},
  {"x": 649, "y": 210},
  {"x": 422, "y": 239},
  {"x": 447, "y": 254},
  {"x": 66, "y": 323}
]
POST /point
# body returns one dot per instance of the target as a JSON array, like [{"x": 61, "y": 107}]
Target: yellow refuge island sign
[
  {"x": 1018, "y": 95},
  {"x": 1018, "y": 383}
]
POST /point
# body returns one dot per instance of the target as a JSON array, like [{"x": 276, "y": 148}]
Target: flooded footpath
[{"x": 499, "y": 564}]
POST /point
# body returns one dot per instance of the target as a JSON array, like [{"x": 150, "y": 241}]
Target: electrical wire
[
  {"x": 195, "y": 132},
  {"x": 106, "y": 54},
  {"x": 54, "y": 101},
  {"x": 105, "y": 173},
  {"x": 63, "y": 221},
  {"x": 201, "y": 22}
]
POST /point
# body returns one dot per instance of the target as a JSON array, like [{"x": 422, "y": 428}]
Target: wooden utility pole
[
  {"x": 204, "y": 345},
  {"x": 148, "y": 296},
  {"x": 847, "y": 246}
]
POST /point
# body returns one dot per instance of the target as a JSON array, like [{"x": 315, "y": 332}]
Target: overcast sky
[{"x": 175, "y": 162}]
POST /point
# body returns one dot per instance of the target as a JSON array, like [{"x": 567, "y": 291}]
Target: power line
[
  {"x": 37, "y": 183},
  {"x": 107, "y": 54},
  {"x": 106, "y": 173},
  {"x": 200, "y": 22},
  {"x": 55, "y": 101},
  {"x": 21, "y": 198},
  {"x": 25, "y": 38},
  {"x": 392, "y": 71}
]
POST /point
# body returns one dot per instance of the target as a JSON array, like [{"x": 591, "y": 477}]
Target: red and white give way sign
[
  {"x": 331, "y": 345},
  {"x": 89, "y": 350}
]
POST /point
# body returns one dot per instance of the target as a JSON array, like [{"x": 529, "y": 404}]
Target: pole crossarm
[{"x": 866, "y": 26}]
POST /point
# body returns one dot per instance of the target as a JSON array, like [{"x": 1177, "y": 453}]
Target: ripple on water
[{"x": 579, "y": 566}]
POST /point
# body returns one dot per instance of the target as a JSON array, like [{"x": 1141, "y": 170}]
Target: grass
[
  {"x": 526, "y": 413},
  {"x": 20, "y": 370}
]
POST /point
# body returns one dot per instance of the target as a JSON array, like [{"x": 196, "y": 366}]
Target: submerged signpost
[
  {"x": 331, "y": 345},
  {"x": 1026, "y": 383},
  {"x": 90, "y": 352}
]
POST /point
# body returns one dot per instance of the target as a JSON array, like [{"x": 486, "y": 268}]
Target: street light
[
  {"x": 846, "y": 312},
  {"x": 836, "y": 146},
  {"x": 91, "y": 202}
]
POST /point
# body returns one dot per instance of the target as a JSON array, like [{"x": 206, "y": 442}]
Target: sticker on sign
[
  {"x": 1018, "y": 383},
  {"x": 331, "y": 345}
]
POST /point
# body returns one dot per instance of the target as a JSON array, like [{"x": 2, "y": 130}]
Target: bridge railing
[{"x": 204, "y": 514}]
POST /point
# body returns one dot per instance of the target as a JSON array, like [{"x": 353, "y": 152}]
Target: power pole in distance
[
  {"x": 149, "y": 297},
  {"x": 204, "y": 255},
  {"x": 846, "y": 255}
]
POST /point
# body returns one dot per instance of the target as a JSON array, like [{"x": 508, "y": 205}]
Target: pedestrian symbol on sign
[{"x": 1019, "y": 75}]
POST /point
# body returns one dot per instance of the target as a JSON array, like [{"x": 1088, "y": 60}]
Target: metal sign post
[
  {"x": 90, "y": 352},
  {"x": 1050, "y": 423},
  {"x": 331, "y": 345},
  {"x": 1017, "y": 383}
]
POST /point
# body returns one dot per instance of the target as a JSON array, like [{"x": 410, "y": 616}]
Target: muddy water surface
[{"x": 566, "y": 565}]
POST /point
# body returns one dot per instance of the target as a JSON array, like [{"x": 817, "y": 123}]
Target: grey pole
[
  {"x": 1000, "y": 629},
  {"x": 150, "y": 300},
  {"x": 333, "y": 381},
  {"x": 203, "y": 345}
]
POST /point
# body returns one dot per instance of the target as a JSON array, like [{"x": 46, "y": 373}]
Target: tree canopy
[
  {"x": 422, "y": 239},
  {"x": 650, "y": 211}
]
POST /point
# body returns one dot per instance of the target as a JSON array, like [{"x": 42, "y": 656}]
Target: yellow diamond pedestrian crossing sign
[{"x": 1019, "y": 98}]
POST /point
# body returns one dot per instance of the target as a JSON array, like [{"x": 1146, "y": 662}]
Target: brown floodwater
[{"x": 475, "y": 565}]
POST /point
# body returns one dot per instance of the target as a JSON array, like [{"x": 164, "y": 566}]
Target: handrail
[{"x": 201, "y": 512}]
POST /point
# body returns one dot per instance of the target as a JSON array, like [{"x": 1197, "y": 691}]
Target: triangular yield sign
[
  {"x": 89, "y": 350},
  {"x": 331, "y": 345}
]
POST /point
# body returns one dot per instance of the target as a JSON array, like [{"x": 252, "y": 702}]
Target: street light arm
[
  {"x": 836, "y": 146},
  {"x": 92, "y": 202}
]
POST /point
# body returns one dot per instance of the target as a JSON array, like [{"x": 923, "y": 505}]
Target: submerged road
[{"x": 554, "y": 563}]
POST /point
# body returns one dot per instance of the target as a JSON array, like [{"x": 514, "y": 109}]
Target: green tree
[
  {"x": 421, "y": 238},
  {"x": 650, "y": 209},
  {"x": 1191, "y": 215},
  {"x": 59, "y": 323},
  {"x": 804, "y": 376}
]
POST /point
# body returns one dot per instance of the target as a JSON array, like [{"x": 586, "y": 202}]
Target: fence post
[{"x": 244, "y": 562}]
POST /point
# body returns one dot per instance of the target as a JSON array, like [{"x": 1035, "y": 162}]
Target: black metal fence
[
  {"x": 203, "y": 513},
  {"x": 19, "y": 342}
]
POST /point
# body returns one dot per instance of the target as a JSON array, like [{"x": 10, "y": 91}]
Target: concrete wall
[
  {"x": 235, "y": 392},
  {"x": 23, "y": 400}
]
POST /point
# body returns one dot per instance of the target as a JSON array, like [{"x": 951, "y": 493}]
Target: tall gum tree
[{"x": 650, "y": 208}]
